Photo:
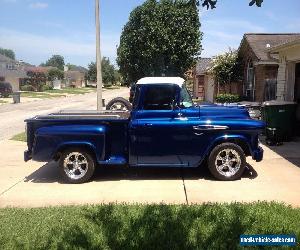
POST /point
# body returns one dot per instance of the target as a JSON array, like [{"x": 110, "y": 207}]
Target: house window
[
  {"x": 10, "y": 66},
  {"x": 249, "y": 86}
]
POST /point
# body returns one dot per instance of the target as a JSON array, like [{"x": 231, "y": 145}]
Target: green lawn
[
  {"x": 112, "y": 87},
  {"x": 19, "y": 137},
  {"x": 41, "y": 95},
  {"x": 2, "y": 101},
  {"x": 57, "y": 92},
  {"x": 208, "y": 226},
  {"x": 75, "y": 91}
]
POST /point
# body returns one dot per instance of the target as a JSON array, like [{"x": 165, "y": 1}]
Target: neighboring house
[
  {"x": 203, "y": 81},
  {"x": 76, "y": 76},
  {"x": 12, "y": 71},
  {"x": 205, "y": 86},
  {"x": 43, "y": 69},
  {"x": 39, "y": 69},
  {"x": 271, "y": 65}
]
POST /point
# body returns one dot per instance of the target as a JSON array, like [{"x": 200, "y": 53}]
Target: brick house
[
  {"x": 270, "y": 66},
  {"x": 205, "y": 87},
  {"x": 203, "y": 82},
  {"x": 75, "y": 76},
  {"x": 12, "y": 71}
]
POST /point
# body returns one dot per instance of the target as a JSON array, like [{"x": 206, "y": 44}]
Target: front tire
[
  {"x": 227, "y": 162},
  {"x": 76, "y": 165}
]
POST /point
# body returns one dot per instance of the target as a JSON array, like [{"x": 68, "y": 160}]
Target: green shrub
[
  {"x": 227, "y": 98},
  {"x": 27, "y": 87},
  {"x": 45, "y": 87},
  {"x": 108, "y": 85}
]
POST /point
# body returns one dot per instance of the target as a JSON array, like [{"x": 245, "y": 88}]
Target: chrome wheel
[
  {"x": 75, "y": 165},
  {"x": 228, "y": 162},
  {"x": 118, "y": 106}
]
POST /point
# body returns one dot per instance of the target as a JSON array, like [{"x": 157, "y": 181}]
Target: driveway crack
[
  {"x": 184, "y": 187},
  {"x": 6, "y": 190}
]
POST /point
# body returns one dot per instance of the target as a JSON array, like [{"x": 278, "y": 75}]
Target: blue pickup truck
[{"x": 163, "y": 129}]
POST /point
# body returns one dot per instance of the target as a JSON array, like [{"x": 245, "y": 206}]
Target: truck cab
[{"x": 163, "y": 129}]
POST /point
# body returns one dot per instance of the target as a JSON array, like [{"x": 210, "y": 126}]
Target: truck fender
[
  {"x": 51, "y": 140},
  {"x": 240, "y": 140}
]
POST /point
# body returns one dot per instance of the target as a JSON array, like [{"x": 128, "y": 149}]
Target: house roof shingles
[
  {"x": 78, "y": 68},
  {"x": 258, "y": 42},
  {"x": 12, "y": 73},
  {"x": 202, "y": 65},
  {"x": 4, "y": 58},
  {"x": 4, "y": 72}
]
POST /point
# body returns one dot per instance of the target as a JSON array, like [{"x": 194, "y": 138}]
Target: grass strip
[
  {"x": 41, "y": 95},
  {"x": 72, "y": 90},
  {"x": 20, "y": 137}
]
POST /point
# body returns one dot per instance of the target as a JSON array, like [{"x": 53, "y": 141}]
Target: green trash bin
[{"x": 280, "y": 118}]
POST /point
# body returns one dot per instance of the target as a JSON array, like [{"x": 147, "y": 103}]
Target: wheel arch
[
  {"x": 86, "y": 146},
  {"x": 235, "y": 139}
]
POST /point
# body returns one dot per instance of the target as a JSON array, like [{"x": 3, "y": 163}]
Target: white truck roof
[{"x": 159, "y": 80}]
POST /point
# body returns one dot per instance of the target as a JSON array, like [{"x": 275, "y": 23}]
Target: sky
[{"x": 37, "y": 29}]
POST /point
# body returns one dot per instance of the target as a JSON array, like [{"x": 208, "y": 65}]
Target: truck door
[{"x": 158, "y": 127}]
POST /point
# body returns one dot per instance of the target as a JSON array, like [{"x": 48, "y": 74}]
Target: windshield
[{"x": 185, "y": 98}]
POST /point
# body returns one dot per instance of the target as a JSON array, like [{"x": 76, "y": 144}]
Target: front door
[
  {"x": 157, "y": 126},
  {"x": 161, "y": 140},
  {"x": 297, "y": 84}
]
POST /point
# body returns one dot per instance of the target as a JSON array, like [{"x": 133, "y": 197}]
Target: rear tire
[
  {"x": 227, "y": 162},
  {"x": 119, "y": 104},
  {"x": 77, "y": 165}
]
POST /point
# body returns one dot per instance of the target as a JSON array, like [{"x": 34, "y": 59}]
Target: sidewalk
[{"x": 35, "y": 184}]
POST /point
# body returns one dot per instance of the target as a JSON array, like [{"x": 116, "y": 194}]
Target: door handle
[
  {"x": 195, "y": 133},
  {"x": 180, "y": 117}
]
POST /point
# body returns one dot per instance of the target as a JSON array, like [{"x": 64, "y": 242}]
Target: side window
[
  {"x": 159, "y": 97},
  {"x": 136, "y": 96}
]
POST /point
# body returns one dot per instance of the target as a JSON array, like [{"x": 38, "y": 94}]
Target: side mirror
[{"x": 175, "y": 105}]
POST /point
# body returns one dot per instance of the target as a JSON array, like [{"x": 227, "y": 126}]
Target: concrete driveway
[{"x": 34, "y": 184}]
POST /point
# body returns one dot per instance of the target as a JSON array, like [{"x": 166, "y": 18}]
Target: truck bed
[
  {"x": 83, "y": 126},
  {"x": 86, "y": 115}
]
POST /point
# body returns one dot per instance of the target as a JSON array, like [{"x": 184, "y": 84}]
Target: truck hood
[
  {"x": 216, "y": 111},
  {"x": 224, "y": 111},
  {"x": 233, "y": 117}
]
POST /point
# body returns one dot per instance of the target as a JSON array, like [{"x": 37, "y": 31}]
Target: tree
[
  {"x": 36, "y": 79},
  {"x": 212, "y": 3},
  {"x": 226, "y": 68},
  {"x": 8, "y": 52},
  {"x": 160, "y": 38},
  {"x": 55, "y": 74},
  {"x": 109, "y": 73},
  {"x": 55, "y": 61},
  {"x": 92, "y": 72}
]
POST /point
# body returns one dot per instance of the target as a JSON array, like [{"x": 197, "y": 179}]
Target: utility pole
[{"x": 98, "y": 58}]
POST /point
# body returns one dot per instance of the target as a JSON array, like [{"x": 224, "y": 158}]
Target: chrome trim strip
[{"x": 210, "y": 127}]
